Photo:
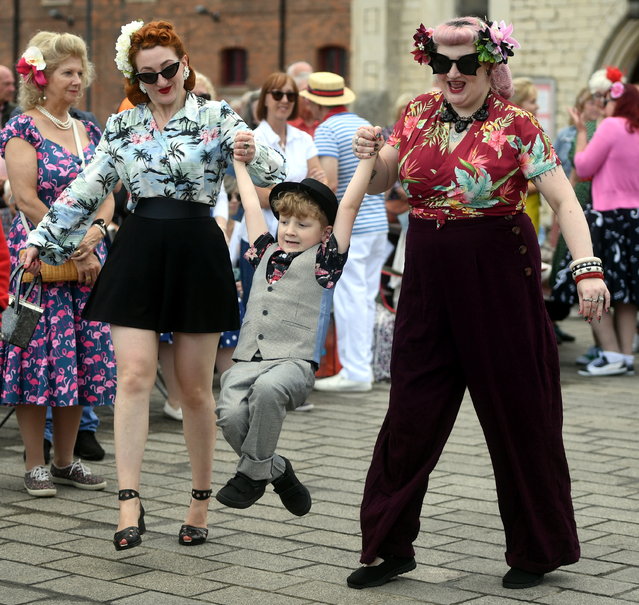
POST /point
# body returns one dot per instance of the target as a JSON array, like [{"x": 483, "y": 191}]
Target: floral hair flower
[
  {"x": 31, "y": 67},
  {"x": 122, "y": 46},
  {"x": 614, "y": 74},
  {"x": 424, "y": 44},
  {"x": 495, "y": 42},
  {"x": 616, "y": 90}
]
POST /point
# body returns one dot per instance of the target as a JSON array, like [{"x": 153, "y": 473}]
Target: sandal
[
  {"x": 130, "y": 536},
  {"x": 190, "y": 535}
]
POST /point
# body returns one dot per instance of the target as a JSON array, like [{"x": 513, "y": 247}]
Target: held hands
[
  {"x": 594, "y": 299},
  {"x": 367, "y": 141},
  {"x": 244, "y": 146}
]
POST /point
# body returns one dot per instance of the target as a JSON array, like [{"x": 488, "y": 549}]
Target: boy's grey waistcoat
[{"x": 289, "y": 317}]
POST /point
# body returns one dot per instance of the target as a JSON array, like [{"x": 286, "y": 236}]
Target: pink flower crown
[
  {"x": 494, "y": 43},
  {"x": 31, "y": 67}
]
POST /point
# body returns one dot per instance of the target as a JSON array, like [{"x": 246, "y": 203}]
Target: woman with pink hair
[{"x": 471, "y": 312}]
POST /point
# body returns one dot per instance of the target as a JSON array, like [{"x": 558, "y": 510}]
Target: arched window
[
  {"x": 234, "y": 67},
  {"x": 333, "y": 58}
]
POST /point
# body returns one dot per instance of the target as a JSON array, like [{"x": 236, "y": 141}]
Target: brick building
[{"x": 237, "y": 43}]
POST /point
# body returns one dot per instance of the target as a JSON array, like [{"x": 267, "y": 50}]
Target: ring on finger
[
  {"x": 246, "y": 145},
  {"x": 589, "y": 300}
]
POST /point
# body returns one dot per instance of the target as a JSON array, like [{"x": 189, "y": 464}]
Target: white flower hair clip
[{"x": 122, "y": 46}]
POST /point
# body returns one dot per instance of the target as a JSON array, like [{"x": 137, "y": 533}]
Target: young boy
[{"x": 278, "y": 350}]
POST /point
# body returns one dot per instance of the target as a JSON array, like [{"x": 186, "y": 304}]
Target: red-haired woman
[
  {"x": 168, "y": 269},
  {"x": 610, "y": 159},
  {"x": 471, "y": 312}
]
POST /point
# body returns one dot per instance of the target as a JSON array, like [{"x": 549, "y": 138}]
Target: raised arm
[
  {"x": 351, "y": 202},
  {"x": 255, "y": 223}
]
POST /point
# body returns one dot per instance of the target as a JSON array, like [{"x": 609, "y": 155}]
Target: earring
[
  {"x": 187, "y": 72},
  {"x": 143, "y": 88}
]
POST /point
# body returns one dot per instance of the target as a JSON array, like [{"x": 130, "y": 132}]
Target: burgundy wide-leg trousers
[{"x": 471, "y": 315}]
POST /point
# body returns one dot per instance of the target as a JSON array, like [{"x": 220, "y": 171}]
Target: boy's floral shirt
[
  {"x": 486, "y": 174},
  {"x": 186, "y": 161},
  {"x": 329, "y": 263}
]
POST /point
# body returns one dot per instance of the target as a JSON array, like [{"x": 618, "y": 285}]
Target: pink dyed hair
[{"x": 465, "y": 30}]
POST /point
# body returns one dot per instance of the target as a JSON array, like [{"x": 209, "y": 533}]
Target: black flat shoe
[
  {"x": 130, "y": 537},
  {"x": 87, "y": 446},
  {"x": 294, "y": 496},
  {"x": 377, "y": 575},
  {"x": 189, "y": 534},
  {"x": 241, "y": 491},
  {"x": 518, "y": 578}
]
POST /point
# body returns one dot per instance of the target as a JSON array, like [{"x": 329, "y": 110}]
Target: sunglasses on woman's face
[
  {"x": 151, "y": 77},
  {"x": 278, "y": 94},
  {"x": 467, "y": 65}
]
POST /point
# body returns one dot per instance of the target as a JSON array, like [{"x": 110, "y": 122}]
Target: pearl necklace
[{"x": 59, "y": 123}]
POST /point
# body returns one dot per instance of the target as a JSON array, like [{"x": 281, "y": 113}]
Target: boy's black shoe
[
  {"x": 241, "y": 491},
  {"x": 376, "y": 575},
  {"x": 87, "y": 446},
  {"x": 294, "y": 496}
]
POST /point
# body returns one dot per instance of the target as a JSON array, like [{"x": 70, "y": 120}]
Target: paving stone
[
  {"x": 254, "y": 578},
  {"x": 90, "y": 588},
  {"x": 238, "y": 595}
]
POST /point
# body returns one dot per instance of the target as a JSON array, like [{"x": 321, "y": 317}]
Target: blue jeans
[{"x": 88, "y": 422}]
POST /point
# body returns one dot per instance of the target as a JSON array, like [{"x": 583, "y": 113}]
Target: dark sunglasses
[
  {"x": 467, "y": 65},
  {"x": 291, "y": 97},
  {"x": 150, "y": 77}
]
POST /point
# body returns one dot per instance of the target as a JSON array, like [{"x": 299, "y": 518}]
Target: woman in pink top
[{"x": 610, "y": 159}]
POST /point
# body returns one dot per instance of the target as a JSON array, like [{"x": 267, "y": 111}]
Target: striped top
[{"x": 333, "y": 138}]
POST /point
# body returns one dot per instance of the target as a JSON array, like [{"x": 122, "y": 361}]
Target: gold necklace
[{"x": 62, "y": 125}]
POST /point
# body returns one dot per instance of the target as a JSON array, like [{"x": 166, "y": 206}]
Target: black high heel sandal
[
  {"x": 190, "y": 535},
  {"x": 130, "y": 536}
]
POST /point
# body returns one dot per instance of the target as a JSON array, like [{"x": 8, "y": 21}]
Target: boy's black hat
[{"x": 319, "y": 193}]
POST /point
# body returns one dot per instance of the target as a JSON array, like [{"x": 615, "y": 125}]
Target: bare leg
[
  {"x": 167, "y": 364},
  {"x": 194, "y": 363},
  {"x": 66, "y": 422},
  {"x": 626, "y": 326},
  {"x": 136, "y": 354},
  {"x": 605, "y": 332},
  {"x": 31, "y": 419}
]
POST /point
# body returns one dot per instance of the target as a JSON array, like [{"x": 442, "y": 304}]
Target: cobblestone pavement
[{"x": 59, "y": 550}]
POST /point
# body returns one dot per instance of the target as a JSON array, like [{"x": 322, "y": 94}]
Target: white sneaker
[
  {"x": 305, "y": 407},
  {"x": 171, "y": 412},
  {"x": 339, "y": 384},
  {"x": 602, "y": 367}
]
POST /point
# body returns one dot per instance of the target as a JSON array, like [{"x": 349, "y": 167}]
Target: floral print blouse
[
  {"x": 187, "y": 161},
  {"x": 486, "y": 174}
]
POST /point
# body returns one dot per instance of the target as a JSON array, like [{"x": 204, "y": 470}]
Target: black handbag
[{"x": 20, "y": 318}]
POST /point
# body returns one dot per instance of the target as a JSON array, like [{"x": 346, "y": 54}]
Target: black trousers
[{"x": 471, "y": 315}]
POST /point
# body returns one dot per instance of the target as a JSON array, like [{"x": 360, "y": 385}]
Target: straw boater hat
[{"x": 326, "y": 88}]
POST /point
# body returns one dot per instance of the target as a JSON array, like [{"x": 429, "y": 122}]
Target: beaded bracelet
[
  {"x": 586, "y": 264},
  {"x": 592, "y": 274}
]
